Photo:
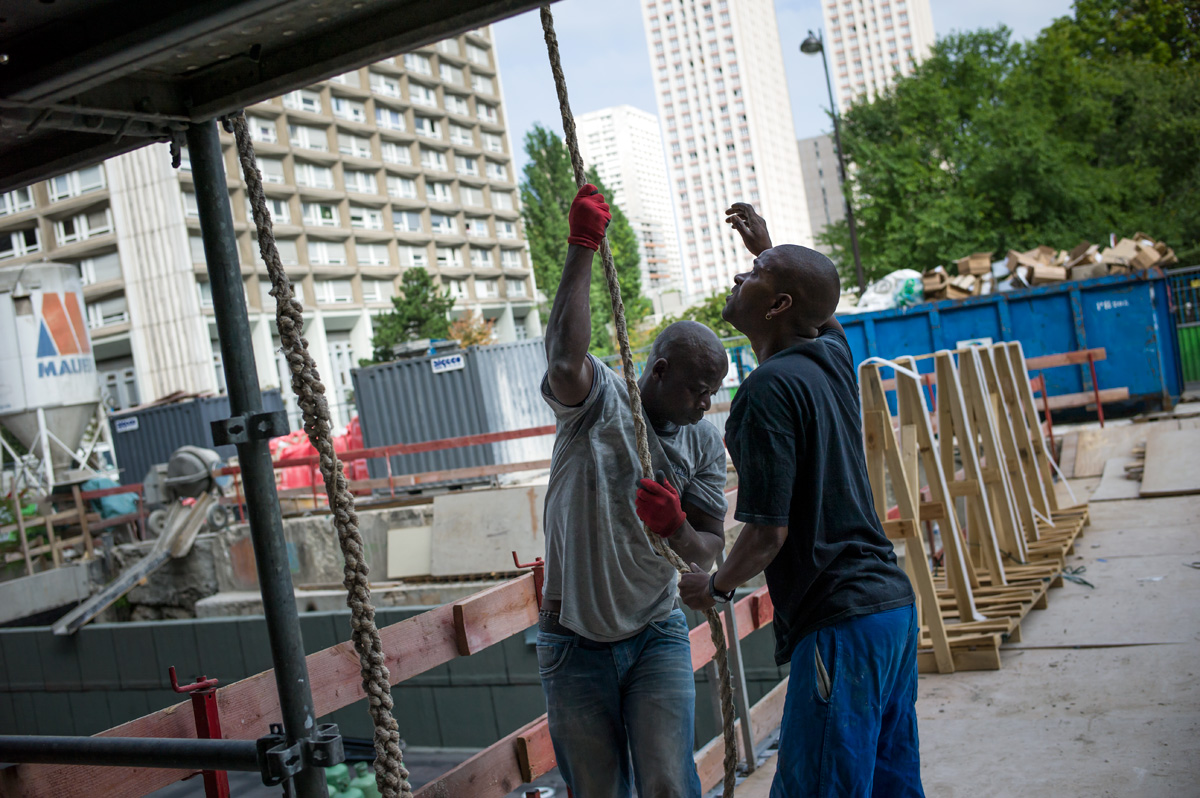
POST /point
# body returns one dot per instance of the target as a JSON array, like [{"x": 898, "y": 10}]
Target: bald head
[
  {"x": 688, "y": 341},
  {"x": 808, "y": 277}
]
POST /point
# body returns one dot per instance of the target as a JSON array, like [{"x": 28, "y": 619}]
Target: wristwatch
[{"x": 718, "y": 596}]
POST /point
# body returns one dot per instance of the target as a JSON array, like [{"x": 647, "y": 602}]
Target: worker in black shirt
[{"x": 844, "y": 609}]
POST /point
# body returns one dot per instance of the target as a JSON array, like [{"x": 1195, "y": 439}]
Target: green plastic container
[
  {"x": 364, "y": 781},
  {"x": 336, "y": 777}
]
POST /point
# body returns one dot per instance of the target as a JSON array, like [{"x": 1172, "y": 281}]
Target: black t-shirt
[{"x": 795, "y": 435}]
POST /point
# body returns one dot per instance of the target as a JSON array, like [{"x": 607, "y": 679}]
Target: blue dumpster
[{"x": 1130, "y": 316}]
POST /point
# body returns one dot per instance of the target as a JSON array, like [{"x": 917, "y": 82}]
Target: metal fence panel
[
  {"x": 511, "y": 378},
  {"x": 1185, "y": 301}
]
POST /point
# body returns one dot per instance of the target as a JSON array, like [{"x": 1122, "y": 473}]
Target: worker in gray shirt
[{"x": 612, "y": 644}]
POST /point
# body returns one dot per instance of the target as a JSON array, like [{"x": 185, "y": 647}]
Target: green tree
[
  {"x": 1092, "y": 128},
  {"x": 419, "y": 311},
  {"x": 707, "y": 313},
  {"x": 547, "y": 189}
]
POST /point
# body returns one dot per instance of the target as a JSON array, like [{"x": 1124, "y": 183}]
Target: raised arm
[
  {"x": 753, "y": 228},
  {"x": 569, "y": 328}
]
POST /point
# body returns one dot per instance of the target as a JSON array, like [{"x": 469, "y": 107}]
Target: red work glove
[
  {"x": 658, "y": 506},
  {"x": 589, "y": 217}
]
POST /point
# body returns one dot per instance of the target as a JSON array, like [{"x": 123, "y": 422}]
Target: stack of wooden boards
[
  {"x": 988, "y": 484},
  {"x": 1158, "y": 459}
]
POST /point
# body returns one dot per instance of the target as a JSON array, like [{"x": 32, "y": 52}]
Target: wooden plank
[
  {"x": 81, "y": 510},
  {"x": 1113, "y": 485},
  {"x": 492, "y": 773},
  {"x": 1087, "y": 398},
  {"x": 480, "y": 619},
  {"x": 765, "y": 717},
  {"x": 1075, "y": 358},
  {"x": 535, "y": 751},
  {"x": 1097, "y": 446},
  {"x": 1172, "y": 463},
  {"x": 411, "y": 647}
]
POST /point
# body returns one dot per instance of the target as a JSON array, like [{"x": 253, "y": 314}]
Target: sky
[{"x": 605, "y": 59}]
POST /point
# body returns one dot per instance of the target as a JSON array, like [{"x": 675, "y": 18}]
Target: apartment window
[
  {"x": 16, "y": 201},
  {"x": 432, "y": 159},
  {"x": 457, "y": 288},
  {"x": 462, "y": 136},
  {"x": 196, "y": 247},
  {"x": 457, "y": 105},
  {"x": 497, "y": 171},
  {"x": 190, "y": 208},
  {"x": 493, "y": 143},
  {"x": 271, "y": 169},
  {"x": 519, "y": 329},
  {"x": 451, "y": 74},
  {"x": 382, "y": 84},
  {"x": 511, "y": 259},
  {"x": 478, "y": 55},
  {"x": 346, "y": 79},
  {"x": 449, "y": 258},
  {"x": 476, "y": 226},
  {"x": 309, "y": 138},
  {"x": 485, "y": 112},
  {"x": 372, "y": 254},
  {"x": 483, "y": 84},
  {"x": 113, "y": 310},
  {"x": 502, "y": 200},
  {"x": 429, "y": 128},
  {"x": 334, "y": 292},
  {"x": 311, "y": 175},
  {"x": 422, "y": 95},
  {"x": 377, "y": 290},
  {"x": 326, "y": 253},
  {"x": 280, "y": 211},
  {"x": 288, "y": 254},
  {"x": 481, "y": 258},
  {"x": 401, "y": 187},
  {"x": 360, "y": 182},
  {"x": 205, "y": 289},
  {"x": 303, "y": 100},
  {"x": 262, "y": 130},
  {"x": 100, "y": 269},
  {"x": 320, "y": 214},
  {"x": 415, "y": 62},
  {"x": 395, "y": 153},
  {"x": 406, "y": 221},
  {"x": 389, "y": 118},
  {"x": 20, "y": 242},
  {"x": 471, "y": 196},
  {"x": 449, "y": 46},
  {"x": 466, "y": 166},
  {"x": 366, "y": 218},
  {"x": 442, "y": 224},
  {"x": 413, "y": 256},
  {"x": 73, "y": 184},
  {"x": 83, "y": 226},
  {"x": 351, "y": 110},
  {"x": 355, "y": 146},
  {"x": 487, "y": 289},
  {"x": 516, "y": 288},
  {"x": 438, "y": 192},
  {"x": 506, "y": 229}
]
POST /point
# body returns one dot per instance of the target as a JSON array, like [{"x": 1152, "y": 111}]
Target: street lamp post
[{"x": 811, "y": 46}]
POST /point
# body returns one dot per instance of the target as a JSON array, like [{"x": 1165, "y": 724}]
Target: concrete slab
[
  {"x": 47, "y": 590},
  {"x": 477, "y": 531}
]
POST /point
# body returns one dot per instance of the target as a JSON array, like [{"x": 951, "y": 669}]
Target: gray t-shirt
[{"x": 598, "y": 560}]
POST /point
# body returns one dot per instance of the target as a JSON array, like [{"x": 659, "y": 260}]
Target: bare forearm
[
  {"x": 753, "y": 551},
  {"x": 696, "y": 546},
  {"x": 569, "y": 328}
]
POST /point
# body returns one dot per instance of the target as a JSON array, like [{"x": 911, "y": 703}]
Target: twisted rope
[
  {"x": 659, "y": 544},
  {"x": 390, "y": 774}
]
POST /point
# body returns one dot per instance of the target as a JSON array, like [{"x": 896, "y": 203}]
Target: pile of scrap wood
[{"x": 1043, "y": 265}]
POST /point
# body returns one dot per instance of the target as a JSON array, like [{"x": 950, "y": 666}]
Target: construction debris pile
[{"x": 979, "y": 275}]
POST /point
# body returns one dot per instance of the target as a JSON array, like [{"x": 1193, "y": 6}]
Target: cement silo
[{"x": 49, "y": 389}]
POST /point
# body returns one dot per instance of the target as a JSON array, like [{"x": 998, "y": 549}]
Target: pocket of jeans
[
  {"x": 674, "y": 626},
  {"x": 552, "y": 652},
  {"x": 825, "y": 664}
]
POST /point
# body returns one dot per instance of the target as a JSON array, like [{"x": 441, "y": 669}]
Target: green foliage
[
  {"x": 1092, "y": 128},
  {"x": 419, "y": 311},
  {"x": 707, "y": 313},
  {"x": 547, "y": 189}
]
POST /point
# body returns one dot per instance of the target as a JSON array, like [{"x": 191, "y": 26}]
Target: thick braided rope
[
  {"x": 390, "y": 773},
  {"x": 716, "y": 629}
]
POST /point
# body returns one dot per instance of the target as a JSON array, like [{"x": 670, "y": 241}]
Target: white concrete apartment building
[
  {"x": 727, "y": 125},
  {"x": 403, "y": 163},
  {"x": 870, "y": 41},
  {"x": 822, "y": 187},
  {"x": 625, "y": 146}
]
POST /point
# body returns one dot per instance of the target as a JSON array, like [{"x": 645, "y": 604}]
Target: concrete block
[
  {"x": 46, "y": 590},
  {"x": 127, "y": 705},
  {"x": 517, "y": 705},
  {"x": 8, "y": 714},
  {"x": 466, "y": 717},
  {"x": 219, "y": 647},
  {"x": 60, "y": 661},
  {"x": 90, "y": 712},
  {"x": 138, "y": 659},
  {"x": 520, "y": 660},
  {"x": 97, "y": 657},
  {"x": 25, "y": 712},
  {"x": 409, "y": 552},
  {"x": 475, "y": 532},
  {"x": 486, "y": 667},
  {"x": 23, "y": 665},
  {"x": 256, "y": 648},
  {"x": 53, "y": 713},
  {"x": 416, "y": 715},
  {"x": 175, "y": 644}
]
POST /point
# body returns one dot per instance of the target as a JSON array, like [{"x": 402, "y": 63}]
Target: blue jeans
[
  {"x": 622, "y": 714},
  {"x": 849, "y": 720}
]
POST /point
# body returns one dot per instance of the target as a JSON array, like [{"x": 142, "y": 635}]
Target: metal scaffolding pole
[
  {"x": 250, "y": 429},
  {"x": 133, "y": 752}
]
